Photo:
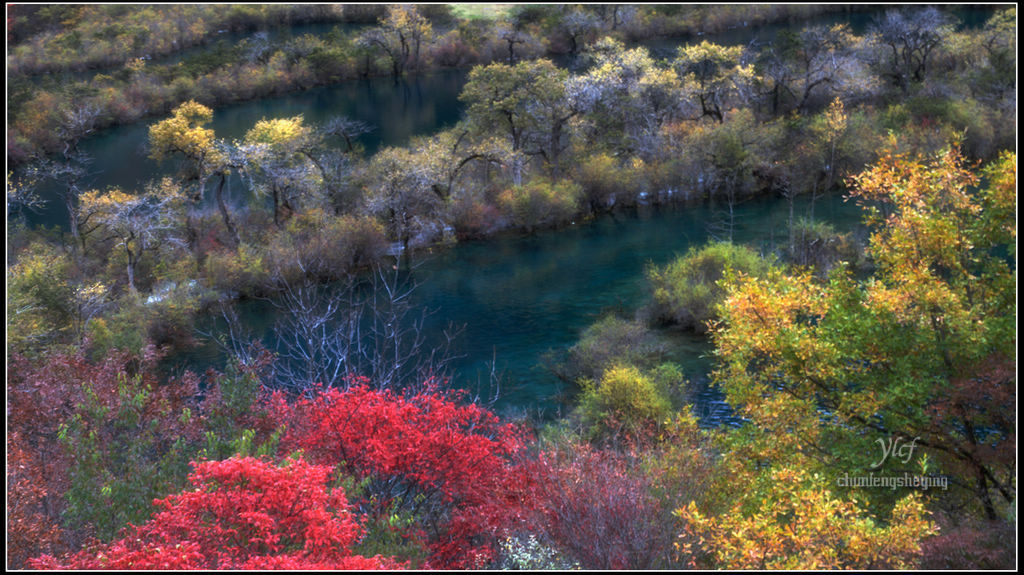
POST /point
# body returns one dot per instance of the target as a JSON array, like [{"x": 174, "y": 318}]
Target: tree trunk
[
  {"x": 277, "y": 214},
  {"x": 73, "y": 223},
  {"x": 191, "y": 235},
  {"x": 555, "y": 144},
  {"x": 131, "y": 269},
  {"x": 225, "y": 214}
]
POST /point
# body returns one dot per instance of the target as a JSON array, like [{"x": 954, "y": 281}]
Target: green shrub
[
  {"x": 125, "y": 454},
  {"x": 602, "y": 177},
  {"x": 321, "y": 246},
  {"x": 959, "y": 115},
  {"x": 894, "y": 118},
  {"x": 100, "y": 339},
  {"x": 40, "y": 298},
  {"x": 472, "y": 217},
  {"x": 125, "y": 329},
  {"x": 170, "y": 313},
  {"x": 164, "y": 317},
  {"x": 541, "y": 203},
  {"x": 611, "y": 341},
  {"x": 686, "y": 291},
  {"x": 388, "y": 532},
  {"x": 816, "y": 244},
  {"x": 628, "y": 404},
  {"x": 243, "y": 272}
]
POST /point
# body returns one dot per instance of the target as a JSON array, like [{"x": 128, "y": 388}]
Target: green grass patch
[{"x": 480, "y": 11}]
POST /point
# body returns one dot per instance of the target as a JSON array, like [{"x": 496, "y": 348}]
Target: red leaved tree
[
  {"x": 452, "y": 466},
  {"x": 242, "y": 513},
  {"x": 32, "y": 524}
]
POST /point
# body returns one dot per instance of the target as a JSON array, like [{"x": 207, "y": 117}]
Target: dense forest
[{"x": 871, "y": 375}]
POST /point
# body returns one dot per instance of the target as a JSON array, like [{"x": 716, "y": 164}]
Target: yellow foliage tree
[
  {"x": 712, "y": 74},
  {"x": 279, "y": 161},
  {"x": 138, "y": 222},
  {"x": 184, "y": 134},
  {"x": 798, "y": 526}
]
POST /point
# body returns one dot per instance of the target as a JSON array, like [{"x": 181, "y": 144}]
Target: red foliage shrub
[
  {"x": 594, "y": 506},
  {"x": 970, "y": 544},
  {"x": 243, "y": 513},
  {"x": 32, "y": 526},
  {"x": 473, "y": 219},
  {"x": 986, "y": 450},
  {"x": 92, "y": 443},
  {"x": 43, "y": 393},
  {"x": 451, "y": 464}
]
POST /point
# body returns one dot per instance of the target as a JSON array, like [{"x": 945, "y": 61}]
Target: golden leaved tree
[{"x": 824, "y": 373}]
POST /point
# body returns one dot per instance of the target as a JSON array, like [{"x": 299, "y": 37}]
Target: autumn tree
[
  {"x": 46, "y": 302},
  {"x": 713, "y": 75},
  {"x": 907, "y": 40},
  {"x": 527, "y": 103},
  {"x": 400, "y": 35},
  {"x": 21, "y": 196},
  {"x": 832, "y": 129},
  {"x": 39, "y": 298},
  {"x": 72, "y": 168},
  {"x": 184, "y": 135},
  {"x": 999, "y": 39},
  {"x": 402, "y": 194},
  {"x": 615, "y": 15},
  {"x": 577, "y": 24},
  {"x": 299, "y": 165},
  {"x": 448, "y": 155},
  {"x": 815, "y": 161},
  {"x": 277, "y": 157},
  {"x": 139, "y": 223},
  {"x": 726, "y": 157},
  {"x": 511, "y": 34},
  {"x": 941, "y": 243},
  {"x": 804, "y": 66},
  {"x": 824, "y": 372},
  {"x": 797, "y": 525},
  {"x": 625, "y": 100}
]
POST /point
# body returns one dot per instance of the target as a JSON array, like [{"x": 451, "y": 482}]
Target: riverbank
[{"x": 142, "y": 87}]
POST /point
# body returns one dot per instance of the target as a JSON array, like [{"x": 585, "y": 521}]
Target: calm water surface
[
  {"x": 397, "y": 111},
  {"x": 520, "y": 299}
]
